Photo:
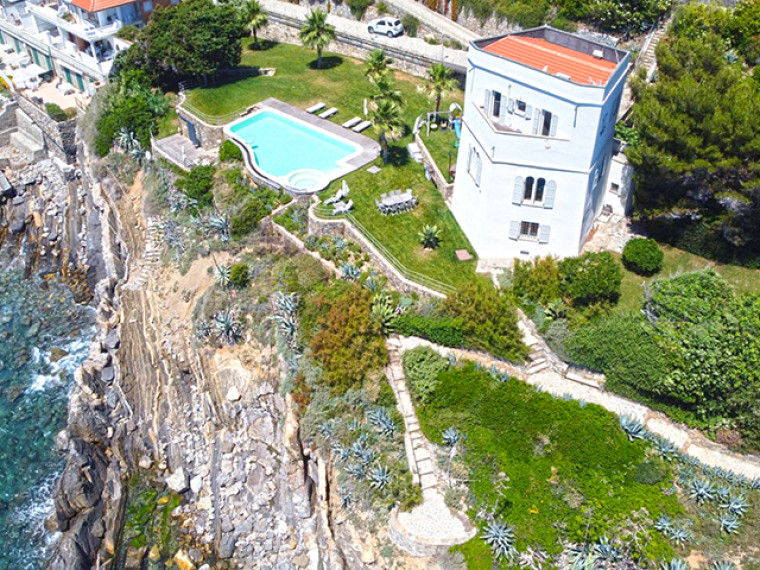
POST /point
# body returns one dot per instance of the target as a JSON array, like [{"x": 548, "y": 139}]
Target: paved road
[{"x": 435, "y": 20}]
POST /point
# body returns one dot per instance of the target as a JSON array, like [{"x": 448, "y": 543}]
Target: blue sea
[{"x": 44, "y": 337}]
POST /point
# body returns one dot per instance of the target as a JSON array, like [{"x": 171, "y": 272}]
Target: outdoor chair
[
  {"x": 329, "y": 113},
  {"x": 314, "y": 108},
  {"x": 352, "y": 122}
]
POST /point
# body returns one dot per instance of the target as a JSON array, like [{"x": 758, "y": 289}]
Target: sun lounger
[
  {"x": 352, "y": 122},
  {"x": 361, "y": 126},
  {"x": 414, "y": 152},
  {"x": 329, "y": 113},
  {"x": 314, "y": 108}
]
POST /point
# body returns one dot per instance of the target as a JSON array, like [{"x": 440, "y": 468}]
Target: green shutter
[
  {"x": 80, "y": 82},
  {"x": 18, "y": 45},
  {"x": 48, "y": 63},
  {"x": 67, "y": 73},
  {"x": 35, "y": 56}
]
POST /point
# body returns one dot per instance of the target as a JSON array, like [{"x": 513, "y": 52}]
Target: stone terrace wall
[
  {"x": 7, "y": 122},
  {"x": 60, "y": 138}
]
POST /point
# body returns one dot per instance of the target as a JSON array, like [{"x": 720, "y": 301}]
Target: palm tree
[
  {"x": 440, "y": 83},
  {"x": 255, "y": 17},
  {"x": 385, "y": 88},
  {"x": 377, "y": 65},
  {"x": 316, "y": 33},
  {"x": 386, "y": 117}
]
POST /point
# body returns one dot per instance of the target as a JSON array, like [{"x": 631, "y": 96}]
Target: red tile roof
[
  {"x": 98, "y": 5},
  {"x": 552, "y": 58}
]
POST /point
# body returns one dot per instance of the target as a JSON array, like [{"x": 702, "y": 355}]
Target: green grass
[
  {"x": 677, "y": 261},
  {"x": 342, "y": 84},
  {"x": 441, "y": 145},
  {"x": 568, "y": 470},
  {"x": 168, "y": 124}
]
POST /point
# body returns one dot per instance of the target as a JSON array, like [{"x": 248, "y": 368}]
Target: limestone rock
[
  {"x": 368, "y": 555},
  {"x": 145, "y": 462},
  {"x": 182, "y": 560},
  {"x": 196, "y": 484},
  {"x": 155, "y": 554},
  {"x": 233, "y": 394},
  {"x": 178, "y": 481},
  {"x": 302, "y": 561}
]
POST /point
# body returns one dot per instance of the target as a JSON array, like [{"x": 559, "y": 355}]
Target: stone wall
[
  {"x": 211, "y": 136},
  {"x": 444, "y": 187},
  {"x": 7, "y": 122},
  {"x": 493, "y": 26},
  {"x": 59, "y": 138}
]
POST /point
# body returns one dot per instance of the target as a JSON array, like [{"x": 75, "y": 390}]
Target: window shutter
[
  {"x": 543, "y": 233},
  {"x": 511, "y": 105},
  {"x": 514, "y": 230},
  {"x": 469, "y": 160},
  {"x": 553, "y": 127},
  {"x": 478, "y": 168},
  {"x": 503, "y": 110},
  {"x": 517, "y": 194},
  {"x": 549, "y": 193},
  {"x": 528, "y": 112},
  {"x": 536, "y": 119},
  {"x": 487, "y": 100}
]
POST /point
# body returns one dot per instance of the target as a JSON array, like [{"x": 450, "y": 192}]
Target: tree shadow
[
  {"x": 264, "y": 45},
  {"x": 397, "y": 155},
  {"x": 328, "y": 62}
]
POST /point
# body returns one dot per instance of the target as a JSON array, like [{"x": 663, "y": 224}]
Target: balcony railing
[{"x": 87, "y": 30}]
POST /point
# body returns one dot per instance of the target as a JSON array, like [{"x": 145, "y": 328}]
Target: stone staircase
[
  {"x": 151, "y": 257},
  {"x": 646, "y": 60}
]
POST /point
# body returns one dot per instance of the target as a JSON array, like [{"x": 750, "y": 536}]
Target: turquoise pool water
[{"x": 283, "y": 146}]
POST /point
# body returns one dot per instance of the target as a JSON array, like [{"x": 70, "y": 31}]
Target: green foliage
[
  {"x": 194, "y": 39},
  {"x": 651, "y": 472},
  {"x": 198, "y": 185},
  {"x": 439, "y": 83},
  {"x": 627, "y": 134},
  {"x": 695, "y": 164},
  {"x": 410, "y": 23},
  {"x": 744, "y": 22},
  {"x": 239, "y": 275},
  {"x": 538, "y": 279},
  {"x": 344, "y": 338},
  {"x": 257, "y": 204},
  {"x": 590, "y": 278},
  {"x": 440, "y": 330},
  {"x": 316, "y": 33},
  {"x": 489, "y": 319},
  {"x": 128, "y": 33},
  {"x": 229, "y": 151},
  {"x": 430, "y": 236},
  {"x": 358, "y": 7},
  {"x": 59, "y": 115},
  {"x": 643, "y": 256},
  {"x": 422, "y": 366}
]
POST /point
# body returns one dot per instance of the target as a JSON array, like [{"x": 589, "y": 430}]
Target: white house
[{"x": 536, "y": 141}]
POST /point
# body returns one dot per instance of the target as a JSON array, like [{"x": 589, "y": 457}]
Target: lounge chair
[
  {"x": 329, "y": 113},
  {"x": 314, "y": 108},
  {"x": 414, "y": 152},
  {"x": 361, "y": 126},
  {"x": 345, "y": 188},
  {"x": 352, "y": 122}
]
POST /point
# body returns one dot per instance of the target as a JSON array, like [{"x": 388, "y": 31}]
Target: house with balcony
[
  {"x": 72, "y": 39},
  {"x": 536, "y": 142}
]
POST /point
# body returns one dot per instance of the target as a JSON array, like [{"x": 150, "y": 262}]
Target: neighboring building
[
  {"x": 73, "y": 39},
  {"x": 537, "y": 141}
]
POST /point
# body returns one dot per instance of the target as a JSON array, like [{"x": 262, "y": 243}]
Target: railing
[
  {"x": 213, "y": 120},
  {"x": 409, "y": 274}
]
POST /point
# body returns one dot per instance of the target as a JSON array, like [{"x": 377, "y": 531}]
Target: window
[
  {"x": 474, "y": 165},
  {"x": 538, "y": 196},
  {"x": 528, "y": 190},
  {"x": 546, "y": 126},
  {"x": 521, "y": 107},
  {"x": 529, "y": 231},
  {"x": 615, "y": 189},
  {"x": 495, "y": 108}
]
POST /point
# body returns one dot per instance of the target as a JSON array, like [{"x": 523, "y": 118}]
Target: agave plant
[
  {"x": 755, "y": 483},
  {"x": 339, "y": 244},
  {"x": 203, "y": 330},
  {"x": 728, "y": 523},
  {"x": 501, "y": 538},
  {"x": 370, "y": 283},
  {"x": 581, "y": 557},
  {"x": 430, "y": 236},
  {"x": 126, "y": 140},
  {"x": 555, "y": 309},
  {"x": 723, "y": 565},
  {"x": 341, "y": 452},
  {"x": 663, "y": 523},
  {"x": 632, "y": 427},
  {"x": 219, "y": 224},
  {"x": 674, "y": 564},
  {"x": 666, "y": 449},
  {"x": 450, "y": 437},
  {"x": 380, "y": 477},
  {"x": 382, "y": 309},
  {"x": 358, "y": 449},
  {"x": 680, "y": 535},
  {"x": 606, "y": 549},
  {"x": 326, "y": 428},
  {"x": 702, "y": 490},
  {"x": 346, "y": 498},
  {"x": 736, "y": 506},
  {"x": 353, "y": 425},
  {"x": 357, "y": 471},
  {"x": 367, "y": 456},
  {"x": 532, "y": 559},
  {"x": 350, "y": 272},
  {"x": 222, "y": 275},
  {"x": 723, "y": 494},
  {"x": 286, "y": 303},
  {"x": 382, "y": 421},
  {"x": 227, "y": 327},
  {"x": 453, "y": 362}
]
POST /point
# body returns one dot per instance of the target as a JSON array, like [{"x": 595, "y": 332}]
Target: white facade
[{"x": 535, "y": 151}]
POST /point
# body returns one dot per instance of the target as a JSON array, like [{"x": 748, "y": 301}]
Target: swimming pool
[{"x": 291, "y": 152}]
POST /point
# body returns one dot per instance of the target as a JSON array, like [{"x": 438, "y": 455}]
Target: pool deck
[{"x": 370, "y": 149}]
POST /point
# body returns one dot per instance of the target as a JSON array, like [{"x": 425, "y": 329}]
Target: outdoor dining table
[{"x": 397, "y": 199}]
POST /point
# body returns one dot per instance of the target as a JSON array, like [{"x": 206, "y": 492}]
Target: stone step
[
  {"x": 428, "y": 481},
  {"x": 424, "y": 467},
  {"x": 537, "y": 368}
]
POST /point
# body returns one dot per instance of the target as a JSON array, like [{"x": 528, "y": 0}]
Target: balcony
[{"x": 87, "y": 30}]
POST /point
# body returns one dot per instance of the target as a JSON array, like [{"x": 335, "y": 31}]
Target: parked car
[{"x": 390, "y": 27}]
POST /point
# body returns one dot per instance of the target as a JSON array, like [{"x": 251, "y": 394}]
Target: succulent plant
[
  {"x": 663, "y": 523},
  {"x": 581, "y": 557},
  {"x": 380, "y": 477},
  {"x": 219, "y": 224},
  {"x": 607, "y": 550},
  {"x": 501, "y": 538},
  {"x": 357, "y": 470},
  {"x": 453, "y": 362},
  {"x": 367, "y": 456},
  {"x": 723, "y": 494},
  {"x": 702, "y": 490},
  {"x": 342, "y": 453},
  {"x": 203, "y": 330},
  {"x": 723, "y": 565},
  {"x": 353, "y": 425},
  {"x": 350, "y": 272},
  {"x": 227, "y": 327},
  {"x": 666, "y": 449},
  {"x": 728, "y": 523},
  {"x": 674, "y": 564},
  {"x": 286, "y": 303},
  {"x": 222, "y": 275},
  {"x": 632, "y": 427},
  {"x": 370, "y": 283},
  {"x": 346, "y": 498},
  {"x": 339, "y": 243},
  {"x": 736, "y": 505},
  {"x": 450, "y": 436},
  {"x": 680, "y": 535},
  {"x": 532, "y": 559},
  {"x": 430, "y": 236},
  {"x": 326, "y": 428}
]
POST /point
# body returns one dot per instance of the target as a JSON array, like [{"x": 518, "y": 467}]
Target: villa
[
  {"x": 536, "y": 142},
  {"x": 72, "y": 39}
]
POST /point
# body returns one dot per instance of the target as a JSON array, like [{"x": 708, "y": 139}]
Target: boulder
[
  {"x": 226, "y": 547},
  {"x": 233, "y": 394},
  {"x": 196, "y": 484},
  {"x": 182, "y": 560},
  {"x": 178, "y": 481}
]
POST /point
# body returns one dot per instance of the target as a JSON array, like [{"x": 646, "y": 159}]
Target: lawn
[
  {"x": 677, "y": 261},
  {"x": 441, "y": 145},
  {"x": 557, "y": 470},
  {"x": 342, "y": 84}
]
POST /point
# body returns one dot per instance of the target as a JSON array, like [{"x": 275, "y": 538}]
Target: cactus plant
[
  {"x": 501, "y": 538},
  {"x": 632, "y": 428},
  {"x": 702, "y": 490},
  {"x": 450, "y": 437},
  {"x": 380, "y": 477}
]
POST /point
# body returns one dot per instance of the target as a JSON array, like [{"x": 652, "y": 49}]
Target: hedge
[
  {"x": 440, "y": 330},
  {"x": 643, "y": 256}
]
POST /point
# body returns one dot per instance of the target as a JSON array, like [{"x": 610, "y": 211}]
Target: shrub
[
  {"x": 198, "y": 184},
  {"x": 229, "y": 151},
  {"x": 410, "y": 24},
  {"x": 358, "y": 7},
  {"x": 258, "y": 205},
  {"x": 430, "y": 236},
  {"x": 591, "y": 278},
  {"x": 422, "y": 366},
  {"x": 489, "y": 319},
  {"x": 643, "y": 256},
  {"x": 55, "y": 112},
  {"x": 650, "y": 472},
  {"x": 239, "y": 275},
  {"x": 440, "y": 330},
  {"x": 382, "y": 7},
  {"x": 128, "y": 33},
  {"x": 537, "y": 279}
]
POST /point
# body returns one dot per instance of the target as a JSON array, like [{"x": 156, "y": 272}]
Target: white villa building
[{"x": 536, "y": 142}]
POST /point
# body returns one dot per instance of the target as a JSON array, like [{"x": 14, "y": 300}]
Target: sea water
[{"x": 44, "y": 337}]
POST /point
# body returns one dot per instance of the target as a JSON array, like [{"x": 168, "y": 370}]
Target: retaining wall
[{"x": 60, "y": 138}]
